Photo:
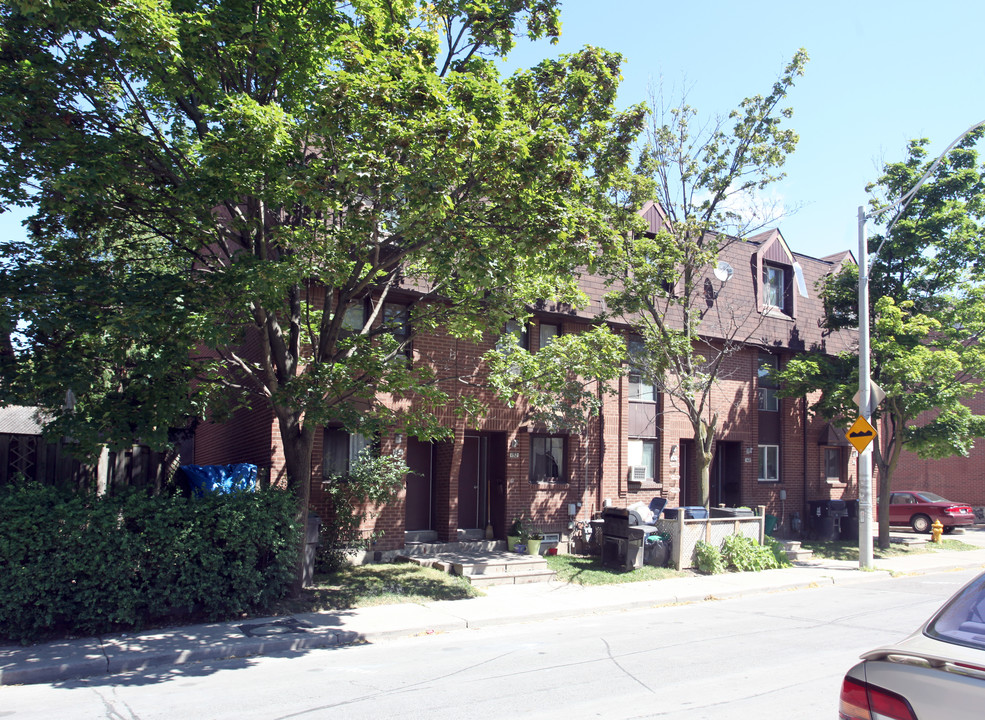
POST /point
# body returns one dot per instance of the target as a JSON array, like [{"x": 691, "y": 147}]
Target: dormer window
[{"x": 774, "y": 287}]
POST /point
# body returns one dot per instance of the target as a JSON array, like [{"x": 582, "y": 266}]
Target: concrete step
[
  {"x": 514, "y": 579},
  {"x": 436, "y": 548},
  {"x": 488, "y": 567},
  {"x": 795, "y": 553},
  {"x": 421, "y": 536}
]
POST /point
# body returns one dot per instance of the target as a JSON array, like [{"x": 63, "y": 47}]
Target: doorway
[
  {"x": 419, "y": 505},
  {"x": 482, "y": 483},
  {"x": 726, "y": 475}
]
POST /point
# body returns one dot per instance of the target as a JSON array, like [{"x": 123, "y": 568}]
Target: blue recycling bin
[{"x": 691, "y": 512}]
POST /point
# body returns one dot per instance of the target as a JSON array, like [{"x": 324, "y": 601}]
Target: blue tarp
[{"x": 221, "y": 479}]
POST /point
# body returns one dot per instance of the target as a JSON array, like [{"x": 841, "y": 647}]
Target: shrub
[
  {"x": 743, "y": 553},
  {"x": 373, "y": 481},
  {"x": 709, "y": 558},
  {"x": 87, "y": 564}
]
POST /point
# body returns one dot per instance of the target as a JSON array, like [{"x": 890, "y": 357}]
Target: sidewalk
[{"x": 90, "y": 657}]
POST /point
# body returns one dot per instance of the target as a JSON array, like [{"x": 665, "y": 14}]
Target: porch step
[
  {"x": 483, "y": 569},
  {"x": 421, "y": 536},
  {"x": 795, "y": 553},
  {"x": 416, "y": 549}
]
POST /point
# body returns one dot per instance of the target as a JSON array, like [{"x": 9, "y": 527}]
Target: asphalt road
[{"x": 778, "y": 655}]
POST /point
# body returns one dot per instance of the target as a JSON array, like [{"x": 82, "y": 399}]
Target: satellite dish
[{"x": 723, "y": 271}]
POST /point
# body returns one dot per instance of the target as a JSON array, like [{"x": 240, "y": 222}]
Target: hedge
[{"x": 84, "y": 564}]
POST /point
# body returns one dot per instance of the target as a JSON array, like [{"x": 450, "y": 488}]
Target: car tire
[
  {"x": 920, "y": 523},
  {"x": 948, "y": 529}
]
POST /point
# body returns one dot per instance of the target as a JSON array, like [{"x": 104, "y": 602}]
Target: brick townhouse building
[{"x": 500, "y": 466}]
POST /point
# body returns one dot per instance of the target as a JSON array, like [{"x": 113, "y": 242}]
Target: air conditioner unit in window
[{"x": 637, "y": 473}]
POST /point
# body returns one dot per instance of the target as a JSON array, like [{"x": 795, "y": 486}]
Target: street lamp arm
[{"x": 903, "y": 201}]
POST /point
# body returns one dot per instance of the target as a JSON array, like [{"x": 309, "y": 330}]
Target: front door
[
  {"x": 418, "y": 513},
  {"x": 472, "y": 483},
  {"x": 726, "y": 475}
]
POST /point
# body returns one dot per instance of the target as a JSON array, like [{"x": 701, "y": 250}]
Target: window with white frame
[
  {"x": 340, "y": 450},
  {"x": 766, "y": 392},
  {"x": 774, "y": 287},
  {"x": 547, "y": 458},
  {"x": 643, "y": 453},
  {"x": 769, "y": 463}
]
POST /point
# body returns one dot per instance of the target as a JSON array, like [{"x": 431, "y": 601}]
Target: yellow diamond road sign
[{"x": 860, "y": 434}]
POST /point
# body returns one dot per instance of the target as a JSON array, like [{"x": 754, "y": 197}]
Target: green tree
[
  {"x": 292, "y": 165},
  {"x": 926, "y": 285},
  {"x": 659, "y": 282}
]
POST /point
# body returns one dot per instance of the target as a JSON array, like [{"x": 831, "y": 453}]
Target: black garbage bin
[
  {"x": 656, "y": 550},
  {"x": 849, "y": 523},
  {"x": 823, "y": 525}
]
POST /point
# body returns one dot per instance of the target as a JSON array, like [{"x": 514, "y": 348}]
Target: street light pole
[
  {"x": 865, "y": 457},
  {"x": 864, "y": 380}
]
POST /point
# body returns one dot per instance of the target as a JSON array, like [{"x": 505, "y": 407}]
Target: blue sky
[{"x": 880, "y": 73}]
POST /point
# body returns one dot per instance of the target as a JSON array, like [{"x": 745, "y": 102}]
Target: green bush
[
  {"x": 743, "y": 553},
  {"x": 709, "y": 558},
  {"x": 86, "y": 564},
  {"x": 372, "y": 481}
]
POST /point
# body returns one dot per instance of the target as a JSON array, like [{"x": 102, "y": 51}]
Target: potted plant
[
  {"x": 517, "y": 536},
  {"x": 533, "y": 543}
]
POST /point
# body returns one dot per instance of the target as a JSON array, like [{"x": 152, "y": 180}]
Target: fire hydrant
[{"x": 935, "y": 531}]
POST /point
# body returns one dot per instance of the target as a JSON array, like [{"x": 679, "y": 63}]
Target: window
[
  {"x": 547, "y": 458},
  {"x": 832, "y": 464},
  {"x": 547, "y": 333},
  {"x": 641, "y": 388},
  {"x": 643, "y": 453},
  {"x": 340, "y": 450},
  {"x": 769, "y": 463},
  {"x": 766, "y": 392},
  {"x": 519, "y": 331},
  {"x": 354, "y": 318},
  {"x": 396, "y": 321},
  {"x": 774, "y": 287}
]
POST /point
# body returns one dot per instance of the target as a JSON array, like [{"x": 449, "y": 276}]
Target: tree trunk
[
  {"x": 704, "y": 441},
  {"x": 886, "y": 471},
  {"x": 298, "y": 439}
]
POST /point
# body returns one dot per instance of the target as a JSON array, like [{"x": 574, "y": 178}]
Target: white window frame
[
  {"x": 764, "y": 464},
  {"x": 637, "y": 451},
  {"x": 774, "y": 293}
]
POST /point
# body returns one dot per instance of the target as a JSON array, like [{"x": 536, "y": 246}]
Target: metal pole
[{"x": 865, "y": 458}]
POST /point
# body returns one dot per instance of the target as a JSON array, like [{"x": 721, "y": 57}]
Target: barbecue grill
[{"x": 623, "y": 542}]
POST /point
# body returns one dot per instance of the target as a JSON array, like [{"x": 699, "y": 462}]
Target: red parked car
[{"x": 919, "y": 509}]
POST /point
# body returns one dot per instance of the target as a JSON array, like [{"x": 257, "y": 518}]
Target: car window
[
  {"x": 962, "y": 620},
  {"x": 930, "y": 497},
  {"x": 900, "y": 499}
]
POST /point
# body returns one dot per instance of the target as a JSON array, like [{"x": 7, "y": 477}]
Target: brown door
[
  {"x": 472, "y": 483},
  {"x": 419, "y": 513}
]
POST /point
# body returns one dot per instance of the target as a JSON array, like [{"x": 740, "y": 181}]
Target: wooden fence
[{"x": 52, "y": 463}]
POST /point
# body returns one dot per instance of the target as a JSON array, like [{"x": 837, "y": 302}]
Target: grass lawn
[
  {"x": 848, "y": 550},
  {"x": 365, "y": 585},
  {"x": 588, "y": 570}
]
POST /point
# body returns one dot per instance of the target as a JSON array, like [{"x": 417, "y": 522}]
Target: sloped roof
[{"x": 20, "y": 420}]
